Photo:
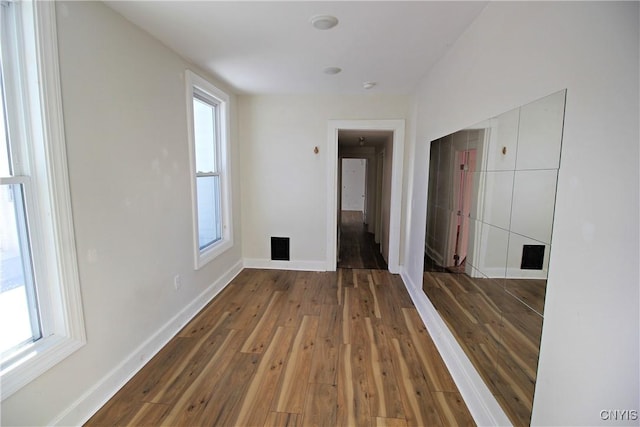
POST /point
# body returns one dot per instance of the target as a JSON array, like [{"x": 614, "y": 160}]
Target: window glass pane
[
  {"x": 205, "y": 137},
  {"x": 209, "y": 218},
  {"x": 18, "y": 310}
]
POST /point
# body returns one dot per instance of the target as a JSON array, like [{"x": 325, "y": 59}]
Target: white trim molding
[
  {"x": 223, "y": 145},
  {"x": 395, "y": 126},
  {"x": 64, "y": 331},
  {"x": 285, "y": 265}
]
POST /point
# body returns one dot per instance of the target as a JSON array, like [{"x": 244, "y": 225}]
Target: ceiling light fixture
[
  {"x": 323, "y": 22},
  {"x": 332, "y": 70},
  {"x": 368, "y": 85}
]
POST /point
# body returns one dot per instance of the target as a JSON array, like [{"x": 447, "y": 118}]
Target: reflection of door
[{"x": 465, "y": 162}]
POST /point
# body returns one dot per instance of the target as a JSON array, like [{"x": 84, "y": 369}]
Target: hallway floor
[
  {"x": 358, "y": 248},
  {"x": 277, "y": 348}
]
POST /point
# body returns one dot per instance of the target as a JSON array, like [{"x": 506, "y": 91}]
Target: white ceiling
[{"x": 270, "y": 47}]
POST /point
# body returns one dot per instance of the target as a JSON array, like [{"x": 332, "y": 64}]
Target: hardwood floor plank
[
  {"x": 384, "y": 396},
  {"x": 353, "y": 407},
  {"x": 190, "y": 406},
  {"x": 392, "y": 317},
  {"x": 320, "y": 408},
  {"x": 339, "y": 293},
  {"x": 264, "y": 329},
  {"x": 281, "y": 419},
  {"x": 452, "y": 409},
  {"x": 150, "y": 414},
  {"x": 381, "y": 277},
  {"x": 419, "y": 404},
  {"x": 376, "y": 305},
  {"x": 328, "y": 288},
  {"x": 330, "y": 321},
  {"x": 435, "y": 371},
  {"x": 389, "y": 422},
  {"x": 224, "y": 406},
  {"x": 174, "y": 381},
  {"x": 346, "y": 317},
  {"x": 255, "y": 407},
  {"x": 324, "y": 364},
  {"x": 116, "y": 412},
  {"x": 295, "y": 378},
  {"x": 309, "y": 293}
]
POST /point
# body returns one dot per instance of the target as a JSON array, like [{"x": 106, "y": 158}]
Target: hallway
[
  {"x": 277, "y": 348},
  {"x": 358, "y": 248}
]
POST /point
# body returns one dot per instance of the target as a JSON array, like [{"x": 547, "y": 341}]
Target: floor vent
[
  {"x": 280, "y": 248},
  {"x": 532, "y": 257}
]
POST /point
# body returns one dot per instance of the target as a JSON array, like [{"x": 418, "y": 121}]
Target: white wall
[
  {"x": 512, "y": 54},
  {"x": 125, "y": 121},
  {"x": 353, "y": 184},
  {"x": 283, "y": 181}
]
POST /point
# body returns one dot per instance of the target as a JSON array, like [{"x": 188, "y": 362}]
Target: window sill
[
  {"x": 36, "y": 359},
  {"x": 209, "y": 254}
]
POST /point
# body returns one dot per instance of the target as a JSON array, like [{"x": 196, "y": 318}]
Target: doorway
[
  {"x": 388, "y": 214},
  {"x": 359, "y": 193}
]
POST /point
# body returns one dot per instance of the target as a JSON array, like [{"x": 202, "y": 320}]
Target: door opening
[{"x": 382, "y": 209}]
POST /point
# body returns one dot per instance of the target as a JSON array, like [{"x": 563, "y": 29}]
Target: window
[
  {"x": 40, "y": 309},
  {"x": 208, "y": 117}
]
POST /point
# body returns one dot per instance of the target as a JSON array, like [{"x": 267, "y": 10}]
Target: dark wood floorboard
[
  {"x": 358, "y": 248},
  {"x": 286, "y": 348}
]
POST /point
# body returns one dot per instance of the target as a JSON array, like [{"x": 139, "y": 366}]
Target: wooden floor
[
  {"x": 284, "y": 348},
  {"x": 499, "y": 334},
  {"x": 358, "y": 248}
]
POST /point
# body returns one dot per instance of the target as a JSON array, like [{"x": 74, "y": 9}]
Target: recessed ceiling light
[
  {"x": 332, "y": 70},
  {"x": 324, "y": 22},
  {"x": 368, "y": 85}
]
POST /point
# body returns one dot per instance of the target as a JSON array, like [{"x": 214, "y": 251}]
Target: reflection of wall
[
  {"x": 353, "y": 184},
  {"x": 515, "y": 187}
]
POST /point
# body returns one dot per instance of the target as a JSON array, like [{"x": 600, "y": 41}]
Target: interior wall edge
[{"x": 93, "y": 399}]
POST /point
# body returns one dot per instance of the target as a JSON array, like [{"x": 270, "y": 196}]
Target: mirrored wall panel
[{"x": 491, "y": 200}]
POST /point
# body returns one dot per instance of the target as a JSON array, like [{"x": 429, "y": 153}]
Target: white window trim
[
  {"x": 65, "y": 332},
  {"x": 208, "y": 254}
]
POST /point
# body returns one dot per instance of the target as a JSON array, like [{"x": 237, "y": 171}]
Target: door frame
[{"x": 395, "y": 215}]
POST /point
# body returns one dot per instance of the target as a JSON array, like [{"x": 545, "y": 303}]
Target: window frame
[
  {"x": 218, "y": 98},
  {"x": 43, "y": 167}
]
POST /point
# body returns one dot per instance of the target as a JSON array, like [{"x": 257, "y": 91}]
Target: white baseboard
[
  {"x": 483, "y": 406},
  {"x": 92, "y": 400},
  {"x": 285, "y": 265}
]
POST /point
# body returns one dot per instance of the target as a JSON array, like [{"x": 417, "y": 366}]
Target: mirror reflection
[{"x": 491, "y": 199}]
